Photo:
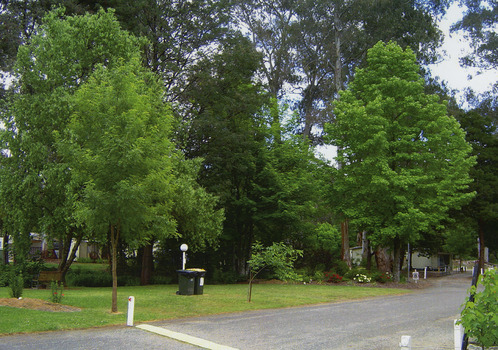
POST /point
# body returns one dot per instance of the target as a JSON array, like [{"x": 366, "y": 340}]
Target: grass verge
[{"x": 160, "y": 302}]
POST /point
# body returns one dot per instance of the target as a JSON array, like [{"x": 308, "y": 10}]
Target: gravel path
[{"x": 426, "y": 315}]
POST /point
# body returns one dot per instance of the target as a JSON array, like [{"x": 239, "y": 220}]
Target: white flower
[{"x": 360, "y": 278}]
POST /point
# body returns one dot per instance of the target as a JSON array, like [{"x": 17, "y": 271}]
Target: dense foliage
[
  {"x": 480, "y": 316},
  {"x": 140, "y": 125},
  {"x": 405, "y": 162}
]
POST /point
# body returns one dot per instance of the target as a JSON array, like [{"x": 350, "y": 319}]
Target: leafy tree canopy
[
  {"x": 405, "y": 161},
  {"x": 479, "y": 24},
  {"x": 49, "y": 68},
  {"x": 121, "y": 153}
]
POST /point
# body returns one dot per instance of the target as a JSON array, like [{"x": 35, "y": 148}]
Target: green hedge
[{"x": 82, "y": 278}]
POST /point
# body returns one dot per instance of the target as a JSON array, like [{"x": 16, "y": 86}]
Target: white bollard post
[
  {"x": 406, "y": 342},
  {"x": 425, "y": 273},
  {"x": 131, "y": 310},
  {"x": 458, "y": 335}
]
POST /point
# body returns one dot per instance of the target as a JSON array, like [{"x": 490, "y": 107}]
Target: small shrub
[
  {"x": 91, "y": 261},
  {"x": 56, "y": 292},
  {"x": 34, "y": 267},
  {"x": 161, "y": 280},
  {"x": 228, "y": 277},
  {"x": 361, "y": 278},
  {"x": 479, "y": 318},
  {"x": 342, "y": 268},
  {"x": 318, "y": 276},
  {"x": 5, "y": 275},
  {"x": 16, "y": 286},
  {"x": 350, "y": 274},
  {"x": 332, "y": 277},
  {"x": 82, "y": 278},
  {"x": 382, "y": 277},
  {"x": 128, "y": 281}
]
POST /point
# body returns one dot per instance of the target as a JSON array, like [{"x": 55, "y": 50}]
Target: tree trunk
[
  {"x": 5, "y": 249},
  {"x": 147, "y": 264},
  {"x": 69, "y": 257},
  {"x": 383, "y": 259},
  {"x": 369, "y": 259},
  {"x": 365, "y": 247},
  {"x": 64, "y": 246},
  {"x": 345, "y": 255},
  {"x": 482, "y": 245},
  {"x": 397, "y": 259},
  {"x": 249, "y": 293},
  {"x": 366, "y": 253},
  {"x": 338, "y": 54},
  {"x": 114, "y": 257}
]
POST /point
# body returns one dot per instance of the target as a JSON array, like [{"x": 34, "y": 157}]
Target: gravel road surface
[{"x": 426, "y": 315}]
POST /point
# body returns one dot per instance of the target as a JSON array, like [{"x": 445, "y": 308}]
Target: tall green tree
[
  {"x": 228, "y": 131},
  {"x": 181, "y": 34},
  {"x": 265, "y": 178},
  {"x": 121, "y": 153},
  {"x": 480, "y": 126},
  {"x": 405, "y": 161},
  {"x": 312, "y": 47},
  {"x": 271, "y": 25},
  {"x": 36, "y": 180},
  {"x": 19, "y": 21},
  {"x": 479, "y": 25}
]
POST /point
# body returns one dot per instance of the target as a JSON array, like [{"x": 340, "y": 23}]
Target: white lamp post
[{"x": 184, "y": 248}]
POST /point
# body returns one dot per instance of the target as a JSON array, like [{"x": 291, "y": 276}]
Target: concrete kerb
[{"x": 185, "y": 338}]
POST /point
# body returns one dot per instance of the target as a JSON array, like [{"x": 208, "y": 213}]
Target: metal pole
[
  {"x": 408, "y": 262},
  {"x": 184, "y": 248}
]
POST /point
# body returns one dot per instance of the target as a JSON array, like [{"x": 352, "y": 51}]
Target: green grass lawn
[{"x": 160, "y": 302}]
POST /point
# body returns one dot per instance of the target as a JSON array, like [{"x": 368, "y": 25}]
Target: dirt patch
[{"x": 37, "y": 304}]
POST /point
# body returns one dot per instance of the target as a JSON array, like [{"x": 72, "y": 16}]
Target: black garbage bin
[
  {"x": 199, "y": 280},
  {"x": 186, "y": 282}
]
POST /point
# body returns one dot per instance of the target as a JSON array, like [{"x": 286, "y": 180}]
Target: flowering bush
[
  {"x": 384, "y": 277},
  {"x": 333, "y": 277},
  {"x": 56, "y": 294},
  {"x": 360, "y": 278}
]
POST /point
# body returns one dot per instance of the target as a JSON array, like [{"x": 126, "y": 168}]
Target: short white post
[
  {"x": 131, "y": 310},
  {"x": 458, "y": 335},
  {"x": 406, "y": 342},
  {"x": 425, "y": 273}
]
